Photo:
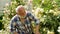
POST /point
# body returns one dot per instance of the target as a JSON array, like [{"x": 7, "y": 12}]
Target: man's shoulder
[
  {"x": 14, "y": 18},
  {"x": 28, "y": 13}
]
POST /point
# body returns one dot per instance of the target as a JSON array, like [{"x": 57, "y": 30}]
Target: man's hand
[
  {"x": 37, "y": 33},
  {"x": 15, "y": 33}
]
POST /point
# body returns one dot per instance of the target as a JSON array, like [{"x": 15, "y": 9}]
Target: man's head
[{"x": 20, "y": 10}]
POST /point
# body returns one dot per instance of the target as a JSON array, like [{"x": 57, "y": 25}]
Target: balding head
[
  {"x": 19, "y": 7},
  {"x": 20, "y": 10}
]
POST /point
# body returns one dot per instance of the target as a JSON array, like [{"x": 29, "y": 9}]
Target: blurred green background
[{"x": 47, "y": 11}]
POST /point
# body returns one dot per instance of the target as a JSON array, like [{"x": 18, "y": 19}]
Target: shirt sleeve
[
  {"x": 37, "y": 21},
  {"x": 12, "y": 26}
]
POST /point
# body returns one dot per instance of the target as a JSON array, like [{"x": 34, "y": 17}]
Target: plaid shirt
[{"x": 17, "y": 26}]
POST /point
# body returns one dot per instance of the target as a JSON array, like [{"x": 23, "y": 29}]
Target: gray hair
[{"x": 18, "y": 8}]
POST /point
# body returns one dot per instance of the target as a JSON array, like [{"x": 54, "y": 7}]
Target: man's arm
[
  {"x": 13, "y": 29},
  {"x": 36, "y": 21},
  {"x": 37, "y": 29}
]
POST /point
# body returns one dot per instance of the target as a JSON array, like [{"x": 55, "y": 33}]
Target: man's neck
[{"x": 22, "y": 20}]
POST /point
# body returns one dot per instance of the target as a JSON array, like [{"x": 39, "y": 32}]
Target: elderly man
[{"x": 21, "y": 22}]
